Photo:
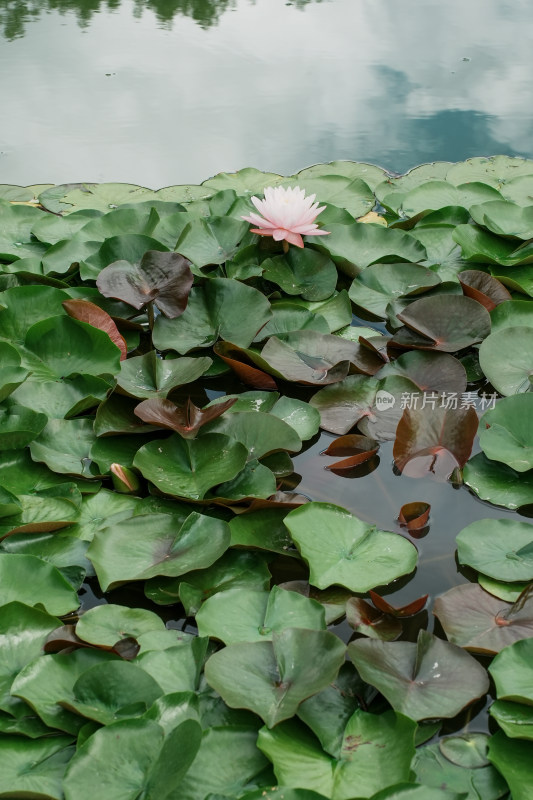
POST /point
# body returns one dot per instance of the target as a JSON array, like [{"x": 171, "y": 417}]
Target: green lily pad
[
  {"x": 425, "y": 680},
  {"x": 342, "y": 549},
  {"x": 222, "y": 308},
  {"x": 264, "y": 530},
  {"x": 512, "y": 314},
  {"x": 504, "y": 218},
  {"x": 160, "y": 762},
  {"x": 288, "y": 317},
  {"x": 215, "y": 768},
  {"x": 499, "y": 548},
  {"x": 504, "y": 432},
  {"x": 110, "y": 691},
  {"x": 502, "y": 589},
  {"x": 498, "y": 483},
  {"x": 328, "y": 712},
  {"x": 63, "y": 397},
  {"x": 19, "y": 426},
  {"x": 261, "y": 433},
  {"x": 190, "y": 467},
  {"x": 141, "y": 547},
  {"x": 512, "y": 757},
  {"x": 302, "y": 272},
  {"x": 273, "y": 678},
  {"x": 376, "y": 750},
  {"x": 34, "y": 768},
  {"x": 243, "y": 614},
  {"x": 234, "y": 568},
  {"x": 176, "y": 668},
  {"x": 343, "y": 404},
  {"x": 101, "y": 509},
  {"x": 23, "y": 632},
  {"x": 59, "y": 347},
  {"x": 515, "y": 719},
  {"x": 149, "y": 376},
  {"x": 30, "y": 580},
  {"x": 50, "y": 678},
  {"x": 64, "y": 446},
  {"x": 432, "y": 769},
  {"x": 506, "y": 358},
  {"x": 511, "y": 672},
  {"x": 379, "y": 284},
  {"x": 354, "y": 247},
  {"x": 211, "y": 241},
  {"x": 106, "y": 625},
  {"x": 307, "y": 357}
]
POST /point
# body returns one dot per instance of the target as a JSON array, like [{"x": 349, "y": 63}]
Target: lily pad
[
  {"x": 35, "y": 582},
  {"x": 498, "y": 483},
  {"x": 506, "y": 358},
  {"x": 302, "y": 272},
  {"x": 148, "y": 376},
  {"x": 512, "y": 757},
  {"x": 499, "y": 548},
  {"x": 164, "y": 279},
  {"x": 34, "y": 768},
  {"x": 106, "y": 625},
  {"x": 515, "y": 719},
  {"x": 425, "y": 680},
  {"x": 504, "y": 432},
  {"x": 50, "y": 678},
  {"x": 190, "y": 467},
  {"x": 222, "y": 308},
  {"x": 447, "y": 323},
  {"x": 434, "y": 439},
  {"x": 243, "y": 614},
  {"x": 148, "y": 545},
  {"x": 511, "y": 672},
  {"x": 354, "y": 247},
  {"x": 376, "y": 750},
  {"x": 478, "y": 621},
  {"x": 342, "y": 549},
  {"x": 380, "y": 284},
  {"x": 432, "y": 769},
  {"x": 273, "y": 678},
  {"x": 160, "y": 762}
]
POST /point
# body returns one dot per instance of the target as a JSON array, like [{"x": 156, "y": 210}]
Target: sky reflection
[{"x": 158, "y": 92}]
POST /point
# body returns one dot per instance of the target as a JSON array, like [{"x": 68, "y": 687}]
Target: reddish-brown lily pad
[
  {"x": 370, "y": 621},
  {"x": 234, "y": 357},
  {"x": 85, "y": 311},
  {"x": 483, "y": 288},
  {"x": 446, "y": 322},
  {"x": 185, "y": 420},
  {"x": 478, "y": 621},
  {"x": 437, "y": 440},
  {"x": 162, "y": 278},
  {"x": 358, "y": 449},
  {"x": 414, "y": 515},
  {"x": 408, "y": 610}
]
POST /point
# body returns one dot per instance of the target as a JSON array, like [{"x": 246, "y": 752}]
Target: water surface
[{"x": 160, "y": 92}]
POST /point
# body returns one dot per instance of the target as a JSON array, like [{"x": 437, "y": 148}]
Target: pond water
[{"x": 161, "y": 92}]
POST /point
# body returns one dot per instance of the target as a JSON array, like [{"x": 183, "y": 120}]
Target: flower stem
[
  {"x": 285, "y": 246},
  {"x": 150, "y": 309}
]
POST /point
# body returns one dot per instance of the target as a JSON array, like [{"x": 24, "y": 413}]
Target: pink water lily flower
[{"x": 287, "y": 215}]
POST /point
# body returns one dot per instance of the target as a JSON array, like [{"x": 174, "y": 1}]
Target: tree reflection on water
[{"x": 15, "y": 14}]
